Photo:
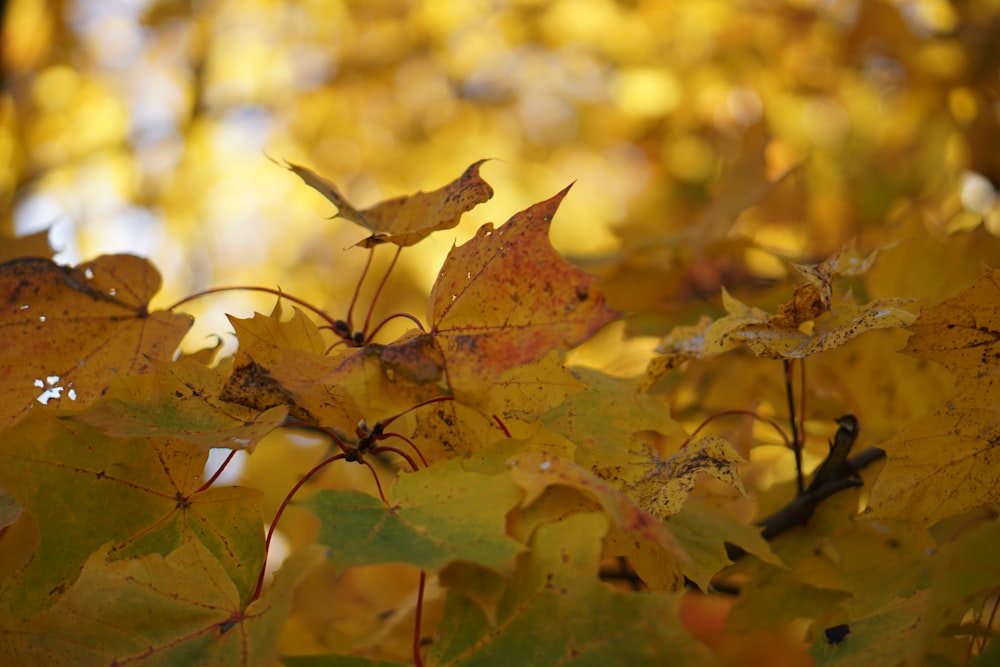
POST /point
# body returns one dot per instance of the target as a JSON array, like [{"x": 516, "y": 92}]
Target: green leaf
[
  {"x": 180, "y": 609},
  {"x": 556, "y": 611},
  {"x": 704, "y": 529},
  {"x": 884, "y": 638},
  {"x": 180, "y": 399},
  {"x": 435, "y": 516},
  {"x": 141, "y": 496},
  {"x": 602, "y": 419}
]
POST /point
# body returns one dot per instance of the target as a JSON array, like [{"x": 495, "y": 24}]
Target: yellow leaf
[
  {"x": 949, "y": 462},
  {"x": 406, "y": 220}
]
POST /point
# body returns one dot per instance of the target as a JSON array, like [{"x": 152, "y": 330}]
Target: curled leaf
[{"x": 406, "y": 220}]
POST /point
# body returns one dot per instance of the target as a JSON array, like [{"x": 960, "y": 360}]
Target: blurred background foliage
[
  {"x": 711, "y": 142},
  {"x": 708, "y": 139}
]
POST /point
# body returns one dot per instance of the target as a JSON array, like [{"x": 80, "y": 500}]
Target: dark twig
[
  {"x": 801, "y": 508},
  {"x": 796, "y": 442}
]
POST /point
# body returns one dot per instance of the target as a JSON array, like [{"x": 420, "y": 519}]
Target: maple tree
[
  {"x": 745, "y": 414},
  {"x": 500, "y": 477}
]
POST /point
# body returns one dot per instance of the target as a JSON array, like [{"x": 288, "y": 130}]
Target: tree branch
[{"x": 801, "y": 508}]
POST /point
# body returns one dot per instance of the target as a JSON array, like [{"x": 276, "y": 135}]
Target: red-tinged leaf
[
  {"x": 177, "y": 609},
  {"x": 406, "y": 220},
  {"x": 180, "y": 400},
  {"x": 69, "y": 331},
  {"x": 86, "y": 489},
  {"x": 557, "y": 612},
  {"x": 507, "y": 298}
]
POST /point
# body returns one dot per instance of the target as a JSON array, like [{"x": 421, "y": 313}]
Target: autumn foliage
[
  {"x": 508, "y": 481},
  {"x": 748, "y": 413}
]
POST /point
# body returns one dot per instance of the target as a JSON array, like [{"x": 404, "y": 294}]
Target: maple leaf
[
  {"x": 963, "y": 577},
  {"x": 72, "y": 477},
  {"x": 949, "y": 462},
  {"x": 537, "y": 471},
  {"x": 406, "y": 220},
  {"x": 704, "y": 530},
  {"x": 284, "y": 363},
  {"x": 178, "y": 608},
  {"x": 540, "y": 619},
  {"x": 881, "y": 638},
  {"x": 31, "y": 245},
  {"x": 69, "y": 331},
  {"x": 661, "y": 485},
  {"x": 813, "y": 321},
  {"x": 603, "y": 420},
  {"x": 180, "y": 399},
  {"x": 506, "y": 298},
  {"x": 435, "y": 516},
  {"x": 10, "y": 510}
]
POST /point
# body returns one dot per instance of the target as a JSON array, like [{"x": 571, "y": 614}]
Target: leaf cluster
[{"x": 459, "y": 495}]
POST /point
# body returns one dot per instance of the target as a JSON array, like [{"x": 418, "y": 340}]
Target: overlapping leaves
[{"x": 69, "y": 331}]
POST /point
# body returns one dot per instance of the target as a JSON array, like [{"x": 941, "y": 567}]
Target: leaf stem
[
  {"x": 254, "y": 288},
  {"x": 726, "y": 413},
  {"x": 410, "y": 443},
  {"x": 357, "y": 289},
  {"x": 218, "y": 472},
  {"x": 330, "y": 433},
  {"x": 378, "y": 291},
  {"x": 396, "y": 450},
  {"x": 281, "y": 510},
  {"x": 503, "y": 427},
  {"x": 417, "y": 660},
  {"x": 437, "y": 399},
  {"x": 378, "y": 484},
  {"x": 392, "y": 317},
  {"x": 796, "y": 444}
]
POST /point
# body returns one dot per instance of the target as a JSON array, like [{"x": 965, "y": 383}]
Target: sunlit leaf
[
  {"x": 70, "y": 330},
  {"x": 507, "y": 298},
  {"x": 406, "y": 220},
  {"x": 661, "y": 485}
]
